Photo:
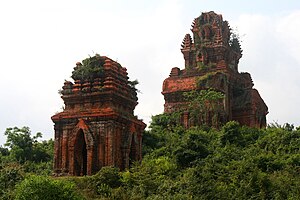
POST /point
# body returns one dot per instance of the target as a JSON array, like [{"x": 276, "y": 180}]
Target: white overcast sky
[{"x": 40, "y": 42}]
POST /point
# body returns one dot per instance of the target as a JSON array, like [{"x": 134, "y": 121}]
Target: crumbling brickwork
[
  {"x": 211, "y": 61},
  {"x": 97, "y": 126}
]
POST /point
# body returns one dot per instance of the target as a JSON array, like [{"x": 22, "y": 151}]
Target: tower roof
[
  {"x": 213, "y": 43},
  {"x": 101, "y": 87}
]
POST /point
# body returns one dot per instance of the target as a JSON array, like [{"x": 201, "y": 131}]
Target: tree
[
  {"x": 4, "y": 151},
  {"x": 231, "y": 133},
  {"x": 192, "y": 148},
  {"x": 24, "y": 147},
  {"x": 205, "y": 106}
]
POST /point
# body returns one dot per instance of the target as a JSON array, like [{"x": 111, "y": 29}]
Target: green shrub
[
  {"x": 108, "y": 176},
  {"x": 10, "y": 175},
  {"x": 41, "y": 187},
  {"x": 89, "y": 69}
]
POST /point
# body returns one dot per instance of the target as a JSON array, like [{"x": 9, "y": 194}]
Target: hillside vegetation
[{"x": 235, "y": 162}]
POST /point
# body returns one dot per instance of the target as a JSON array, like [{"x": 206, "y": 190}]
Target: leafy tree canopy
[
  {"x": 24, "y": 147},
  {"x": 234, "y": 162}
]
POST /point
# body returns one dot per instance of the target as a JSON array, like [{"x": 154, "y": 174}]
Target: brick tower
[
  {"x": 97, "y": 126},
  {"x": 211, "y": 61}
]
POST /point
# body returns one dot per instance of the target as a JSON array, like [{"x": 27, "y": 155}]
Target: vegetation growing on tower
[{"x": 89, "y": 69}]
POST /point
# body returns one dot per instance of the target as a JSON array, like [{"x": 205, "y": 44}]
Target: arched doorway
[
  {"x": 80, "y": 155},
  {"x": 133, "y": 151}
]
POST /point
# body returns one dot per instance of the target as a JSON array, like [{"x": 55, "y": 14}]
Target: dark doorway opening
[
  {"x": 80, "y": 156},
  {"x": 132, "y": 153}
]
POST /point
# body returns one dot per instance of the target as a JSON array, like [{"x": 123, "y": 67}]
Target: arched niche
[
  {"x": 133, "y": 149},
  {"x": 80, "y": 154},
  {"x": 82, "y": 151}
]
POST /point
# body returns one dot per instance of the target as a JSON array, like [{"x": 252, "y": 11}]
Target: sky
[{"x": 41, "y": 41}]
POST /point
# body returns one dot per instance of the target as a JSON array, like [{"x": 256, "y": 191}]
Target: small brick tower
[
  {"x": 97, "y": 126},
  {"x": 211, "y": 61}
]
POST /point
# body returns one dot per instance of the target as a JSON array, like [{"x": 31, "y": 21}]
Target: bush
[
  {"x": 41, "y": 187},
  {"x": 108, "y": 176},
  {"x": 90, "y": 69},
  {"x": 231, "y": 133},
  {"x": 10, "y": 175},
  {"x": 192, "y": 148},
  {"x": 105, "y": 180}
]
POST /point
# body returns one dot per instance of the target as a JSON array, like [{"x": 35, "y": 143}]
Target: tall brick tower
[
  {"x": 97, "y": 126},
  {"x": 211, "y": 61}
]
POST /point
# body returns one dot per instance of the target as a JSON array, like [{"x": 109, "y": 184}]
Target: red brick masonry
[
  {"x": 97, "y": 127},
  {"x": 211, "y": 61}
]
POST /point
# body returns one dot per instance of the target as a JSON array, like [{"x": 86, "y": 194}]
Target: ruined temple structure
[
  {"x": 97, "y": 126},
  {"x": 211, "y": 61}
]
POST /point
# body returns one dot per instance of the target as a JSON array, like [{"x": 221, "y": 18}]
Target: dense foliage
[
  {"x": 24, "y": 147},
  {"x": 203, "y": 105},
  {"x": 90, "y": 68},
  {"x": 22, "y": 155},
  {"x": 41, "y": 187},
  {"x": 232, "y": 163},
  {"x": 235, "y": 162}
]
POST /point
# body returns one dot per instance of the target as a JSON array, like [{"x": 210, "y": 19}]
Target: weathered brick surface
[
  {"x": 211, "y": 61},
  {"x": 97, "y": 127}
]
